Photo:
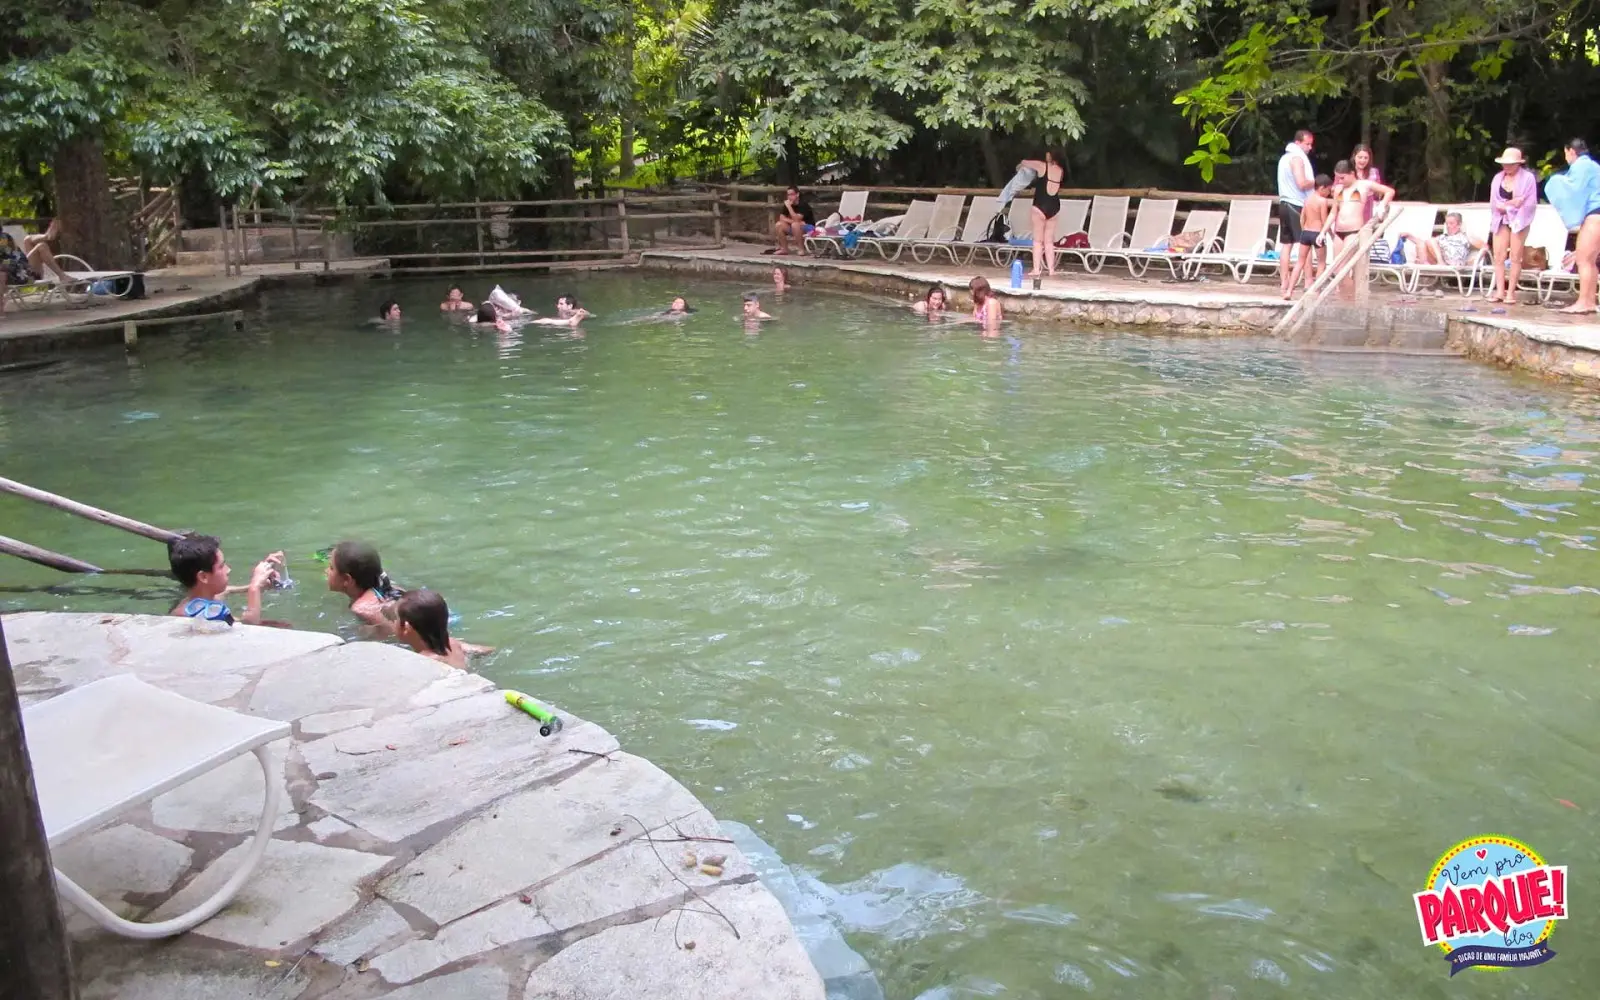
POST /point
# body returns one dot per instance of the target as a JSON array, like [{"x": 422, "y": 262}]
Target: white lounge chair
[
  {"x": 107, "y": 747},
  {"x": 1206, "y": 221},
  {"x": 1550, "y": 233},
  {"x": 1404, "y": 220},
  {"x": 852, "y": 208},
  {"x": 1151, "y": 225},
  {"x": 943, "y": 229},
  {"x": 913, "y": 227},
  {"x": 1108, "y": 219},
  {"x": 1475, "y": 223},
  {"x": 975, "y": 233},
  {"x": 1244, "y": 240}
]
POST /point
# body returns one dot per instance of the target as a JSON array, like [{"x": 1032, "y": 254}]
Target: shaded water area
[{"x": 1057, "y": 663}]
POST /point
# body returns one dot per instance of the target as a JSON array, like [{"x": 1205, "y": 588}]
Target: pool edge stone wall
[
  {"x": 431, "y": 845},
  {"x": 1081, "y": 308},
  {"x": 1559, "y": 353}
]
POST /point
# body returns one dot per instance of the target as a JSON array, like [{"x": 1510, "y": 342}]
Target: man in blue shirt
[{"x": 1576, "y": 197}]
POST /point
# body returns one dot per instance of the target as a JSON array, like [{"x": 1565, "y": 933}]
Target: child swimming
[
  {"x": 424, "y": 625},
  {"x": 355, "y": 571}
]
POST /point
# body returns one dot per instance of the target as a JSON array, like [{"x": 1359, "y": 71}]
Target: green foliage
[{"x": 331, "y": 97}]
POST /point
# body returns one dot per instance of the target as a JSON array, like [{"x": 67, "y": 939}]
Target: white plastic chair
[
  {"x": 1151, "y": 225},
  {"x": 913, "y": 227},
  {"x": 1243, "y": 241},
  {"x": 1108, "y": 219},
  {"x": 852, "y": 208},
  {"x": 1207, "y": 221},
  {"x": 115, "y": 744}
]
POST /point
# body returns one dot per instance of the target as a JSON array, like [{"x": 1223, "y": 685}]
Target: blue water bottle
[{"x": 1016, "y": 273}]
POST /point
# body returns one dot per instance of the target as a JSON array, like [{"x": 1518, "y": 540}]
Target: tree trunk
[
  {"x": 789, "y": 162},
  {"x": 625, "y": 159},
  {"x": 34, "y": 960},
  {"x": 991, "y": 159},
  {"x": 89, "y": 225},
  {"x": 1436, "y": 146}
]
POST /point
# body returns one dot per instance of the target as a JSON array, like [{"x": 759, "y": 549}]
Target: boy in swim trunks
[{"x": 1313, "y": 220}]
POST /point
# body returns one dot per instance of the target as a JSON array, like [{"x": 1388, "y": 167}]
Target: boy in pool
[
  {"x": 752, "y": 307},
  {"x": 198, "y": 563},
  {"x": 454, "y": 302},
  {"x": 568, "y": 313}
]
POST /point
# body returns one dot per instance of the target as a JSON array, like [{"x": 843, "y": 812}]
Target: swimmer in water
[
  {"x": 389, "y": 312},
  {"x": 355, "y": 571},
  {"x": 568, "y": 313},
  {"x": 453, "y": 301},
  {"x": 932, "y": 304},
  {"x": 488, "y": 315},
  {"x": 752, "y": 307},
  {"x": 423, "y": 623},
  {"x": 678, "y": 307},
  {"x": 780, "y": 281},
  {"x": 986, "y": 308}
]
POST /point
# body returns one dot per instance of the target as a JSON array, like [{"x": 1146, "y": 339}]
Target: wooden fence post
[
  {"x": 716, "y": 218},
  {"x": 477, "y": 227},
  {"x": 34, "y": 959},
  {"x": 294, "y": 237},
  {"x": 622, "y": 216},
  {"x": 222, "y": 228}
]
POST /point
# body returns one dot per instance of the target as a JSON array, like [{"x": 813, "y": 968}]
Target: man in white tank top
[{"x": 1296, "y": 178}]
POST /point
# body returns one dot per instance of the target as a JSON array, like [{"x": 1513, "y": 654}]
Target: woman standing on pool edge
[{"x": 1046, "y": 206}]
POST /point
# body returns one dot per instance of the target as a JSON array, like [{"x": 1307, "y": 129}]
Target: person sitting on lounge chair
[
  {"x": 1452, "y": 248},
  {"x": 28, "y": 263}
]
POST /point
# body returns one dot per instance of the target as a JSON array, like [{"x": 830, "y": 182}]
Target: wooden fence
[{"x": 480, "y": 235}]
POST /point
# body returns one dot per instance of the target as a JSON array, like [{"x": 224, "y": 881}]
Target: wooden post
[
  {"x": 243, "y": 255},
  {"x": 327, "y": 246},
  {"x": 34, "y": 958},
  {"x": 1363, "y": 287},
  {"x": 84, "y": 510},
  {"x": 130, "y": 333},
  {"x": 477, "y": 228},
  {"x": 44, "y": 557},
  {"x": 622, "y": 215},
  {"x": 294, "y": 237},
  {"x": 222, "y": 227},
  {"x": 716, "y": 218}
]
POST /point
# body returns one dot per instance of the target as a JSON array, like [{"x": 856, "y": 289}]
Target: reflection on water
[{"x": 1142, "y": 667}]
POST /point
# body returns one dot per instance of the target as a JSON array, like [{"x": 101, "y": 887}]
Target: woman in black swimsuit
[{"x": 1046, "y": 206}]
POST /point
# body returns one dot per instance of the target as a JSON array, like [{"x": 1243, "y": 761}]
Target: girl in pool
[
  {"x": 488, "y": 315},
  {"x": 932, "y": 304},
  {"x": 985, "y": 306},
  {"x": 454, "y": 302},
  {"x": 678, "y": 307},
  {"x": 780, "y": 281},
  {"x": 424, "y": 625},
  {"x": 355, "y": 571}
]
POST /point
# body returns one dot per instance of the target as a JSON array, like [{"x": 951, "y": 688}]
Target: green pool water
[{"x": 1148, "y": 667}]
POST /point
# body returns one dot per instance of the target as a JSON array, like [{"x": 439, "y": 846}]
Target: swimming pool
[{"x": 1059, "y": 663}]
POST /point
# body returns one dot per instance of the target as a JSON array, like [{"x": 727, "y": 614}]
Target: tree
[
  {"x": 1440, "y": 65},
  {"x": 328, "y": 99}
]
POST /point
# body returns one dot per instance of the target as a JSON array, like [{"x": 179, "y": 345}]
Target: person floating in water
[
  {"x": 932, "y": 304},
  {"x": 356, "y": 571},
  {"x": 568, "y": 313},
  {"x": 423, "y": 623},
  {"x": 752, "y": 307},
  {"x": 679, "y": 306},
  {"x": 198, "y": 563},
  {"x": 389, "y": 312},
  {"x": 780, "y": 281},
  {"x": 454, "y": 302}
]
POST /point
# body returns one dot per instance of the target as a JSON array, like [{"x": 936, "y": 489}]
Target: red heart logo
[{"x": 1482, "y": 853}]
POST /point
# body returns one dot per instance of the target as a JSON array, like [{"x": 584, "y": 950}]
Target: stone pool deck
[
  {"x": 434, "y": 846},
  {"x": 1526, "y": 337},
  {"x": 169, "y": 294}
]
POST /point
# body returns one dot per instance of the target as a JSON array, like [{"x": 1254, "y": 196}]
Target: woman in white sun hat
[{"x": 1513, "y": 198}]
